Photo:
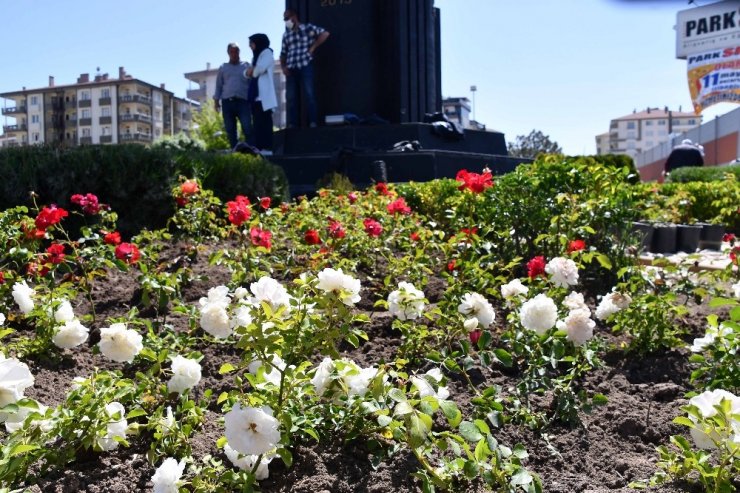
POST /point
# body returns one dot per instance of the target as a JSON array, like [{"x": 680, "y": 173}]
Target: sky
[{"x": 564, "y": 67}]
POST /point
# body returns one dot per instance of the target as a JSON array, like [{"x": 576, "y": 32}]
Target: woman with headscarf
[{"x": 262, "y": 91}]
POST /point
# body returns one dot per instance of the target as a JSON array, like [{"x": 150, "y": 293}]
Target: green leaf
[
  {"x": 226, "y": 368},
  {"x": 312, "y": 433},
  {"x": 22, "y": 448},
  {"x": 222, "y": 397},
  {"x": 504, "y": 357},
  {"x": 718, "y": 302},
  {"x": 606, "y": 264},
  {"x": 599, "y": 399},
  {"x": 384, "y": 420},
  {"x": 397, "y": 395},
  {"x": 221, "y": 442},
  {"x": 470, "y": 469},
  {"x": 521, "y": 477},
  {"x": 482, "y": 426},
  {"x": 470, "y": 432},
  {"x": 451, "y": 412},
  {"x": 402, "y": 409},
  {"x": 418, "y": 431},
  {"x": 287, "y": 457},
  {"x": 683, "y": 420},
  {"x": 135, "y": 413}
]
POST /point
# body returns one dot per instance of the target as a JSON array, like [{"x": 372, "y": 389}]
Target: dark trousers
[
  {"x": 300, "y": 78},
  {"x": 234, "y": 109},
  {"x": 262, "y": 127}
]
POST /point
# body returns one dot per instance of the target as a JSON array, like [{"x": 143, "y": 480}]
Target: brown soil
[{"x": 615, "y": 444}]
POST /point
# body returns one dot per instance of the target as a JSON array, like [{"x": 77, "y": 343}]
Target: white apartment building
[
  {"x": 458, "y": 110},
  {"x": 206, "y": 82},
  {"x": 98, "y": 111},
  {"x": 640, "y": 131}
]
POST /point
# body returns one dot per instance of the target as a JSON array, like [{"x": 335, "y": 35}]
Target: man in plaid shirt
[{"x": 296, "y": 58}]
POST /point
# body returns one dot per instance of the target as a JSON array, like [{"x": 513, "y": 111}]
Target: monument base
[{"x": 309, "y": 154}]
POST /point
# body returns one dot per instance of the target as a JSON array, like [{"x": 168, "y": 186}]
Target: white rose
[
  {"x": 271, "y": 372},
  {"x": 217, "y": 294},
  {"x": 70, "y": 335},
  {"x": 246, "y": 462},
  {"x": 251, "y": 431},
  {"x": 575, "y": 301},
  {"x": 23, "y": 296},
  {"x": 322, "y": 375},
  {"x": 611, "y": 304},
  {"x": 407, "y": 302},
  {"x": 563, "y": 272},
  {"x": 186, "y": 374},
  {"x": 167, "y": 476},
  {"x": 578, "y": 325},
  {"x": 214, "y": 319},
  {"x": 346, "y": 287},
  {"x": 14, "y": 422},
  {"x": 538, "y": 314},
  {"x": 15, "y": 378},
  {"x": 242, "y": 317},
  {"x": 115, "y": 427},
  {"x": 119, "y": 343},
  {"x": 476, "y": 306},
  {"x": 64, "y": 312},
  {"x": 270, "y": 291},
  {"x": 705, "y": 403},
  {"x": 513, "y": 288}
]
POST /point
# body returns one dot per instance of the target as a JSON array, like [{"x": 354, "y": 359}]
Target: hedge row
[
  {"x": 704, "y": 173},
  {"x": 135, "y": 180}
]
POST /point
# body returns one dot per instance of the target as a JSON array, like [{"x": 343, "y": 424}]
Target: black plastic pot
[
  {"x": 644, "y": 232},
  {"x": 687, "y": 237},
  {"x": 664, "y": 238},
  {"x": 711, "y": 236}
]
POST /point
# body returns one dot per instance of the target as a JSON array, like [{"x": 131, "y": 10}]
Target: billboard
[
  {"x": 714, "y": 77},
  {"x": 707, "y": 28}
]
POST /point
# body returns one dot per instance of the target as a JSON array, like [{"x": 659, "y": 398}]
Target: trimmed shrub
[{"x": 703, "y": 173}]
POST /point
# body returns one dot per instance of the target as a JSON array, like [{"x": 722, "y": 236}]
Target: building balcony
[
  {"x": 105, "y": 120},
  {"x": 14, "y": 110},
  {"x": 84, "y": 103},
  {"x": 106, "y": 139},
  {"x": 14, "y": 128},
  {"x": 135, "y": 98},
  {"x": 136, "y": 117},
  {"x": 135, "y": 137},
  {"x": 85, "y": 122},
  {"x": 85, "y": 140},
  {"x": 196, "y": 94},
  {"x": 104, "y": 101}
]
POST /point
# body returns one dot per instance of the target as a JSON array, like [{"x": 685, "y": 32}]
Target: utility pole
[{"x": 473, "y": 90}]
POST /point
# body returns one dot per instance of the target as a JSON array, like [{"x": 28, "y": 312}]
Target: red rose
[
  {"x": 239, "y": 210},
  {"x": 128, "y": 252},
  {"x": 311, "y": 237},
  {"x": 55, "y": 253},
  {"x": 469, "y": 231},
  {"x": 33, "y": 233},
  {"x": 34, "y": 269},
  {"x": 414, "y": 236},
  {"x": 189, "y": 187},
  {"x": 284, "y": 207},
  {"x": 452, "y": 265},
  {"x": 265, "y": 202},
  {"x": 2, "y": 277},
  {"x": 536, "y": 267},
  {"x": 475, "y": 335},
  {"x": 335, "y": 229},
  {"x": 474, "y": 182},
  {"x": 352, "y": 196},
  {"x": 728, "y": 237},
  {"x": 181, "y": 201},
  {"x": 576, "y": 246},
  {"x": 381, "y": 188},
  {"x": 113, "y": 238},
  {"x": 399, "y": 206},
  {"x": 734, "y": 253},
  {"x": 49, "y": 216},
  {"x": 372, "y": 227},
  {"x": 88, "y": 202},
  {"x": 261, "y": 237}
]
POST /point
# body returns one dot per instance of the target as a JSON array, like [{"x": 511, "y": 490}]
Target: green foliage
[
  {"x": 434, "y": 199},
  {"x": 618, "y": 161},
  {"x": 337, "y": 182},
  {"x": 714, "y": 361},
  {"x": 704, "y": 173},
  {"x": 180, "y": 142},
  {"x": 208, "y": 127},
  {"x": 532, "y": 145}
]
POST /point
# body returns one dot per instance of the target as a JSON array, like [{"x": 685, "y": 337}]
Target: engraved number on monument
[{"x": 334, "y": 3}]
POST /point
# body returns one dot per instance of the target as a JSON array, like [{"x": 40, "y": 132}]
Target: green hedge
[
  {"x": 703, "y": 174},
  {"x": 135, "y": 180}
]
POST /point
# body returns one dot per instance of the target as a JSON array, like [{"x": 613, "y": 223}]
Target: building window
[
  {"x": 630, "y": 145},
  {"x": 105, "y": 93},
  {"x": 662, "y": 133},
  {"x": 85, "y": 95},
  {"x": 105, "y": 111},
  {"x": 157, "y": 115},
  {"x": 34, "y": 118},
  {"x": 649, "y": 123},
  {"x": 85, "y": 113},
  {"x": 692, "y": 121},
  {"x": 630, "y": 125},
  {"x": 35, "y": 136},
  {"x": 34, "y": 100},
  {"x": 661, "y": 122},
  {"x": 106, "y": 130},
  {"x": 631, "y": 135},
  {"x": 86, "y": 132},
  {"x": 648, "y": 133},
  {"x": 157, "y": 97}
]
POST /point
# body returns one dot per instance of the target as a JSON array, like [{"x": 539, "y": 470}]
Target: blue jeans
[
  {"x": 300, "y": 77},
  {"x": 233, "y": 109}
]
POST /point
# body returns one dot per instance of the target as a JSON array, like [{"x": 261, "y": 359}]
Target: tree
[
  {"x": 208, "y": 127},
  {"x": 529, "y": 146}
]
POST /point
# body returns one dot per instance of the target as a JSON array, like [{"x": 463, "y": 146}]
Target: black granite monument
[{"x": 382, "y": 65}]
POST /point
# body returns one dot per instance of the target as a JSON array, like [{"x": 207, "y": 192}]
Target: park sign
[
  {"x": 710, "y": 27},
  {"x": 714, "y": 77}
]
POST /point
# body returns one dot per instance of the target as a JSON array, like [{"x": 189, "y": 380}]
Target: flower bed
[{"x": 372, "y": 341}]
